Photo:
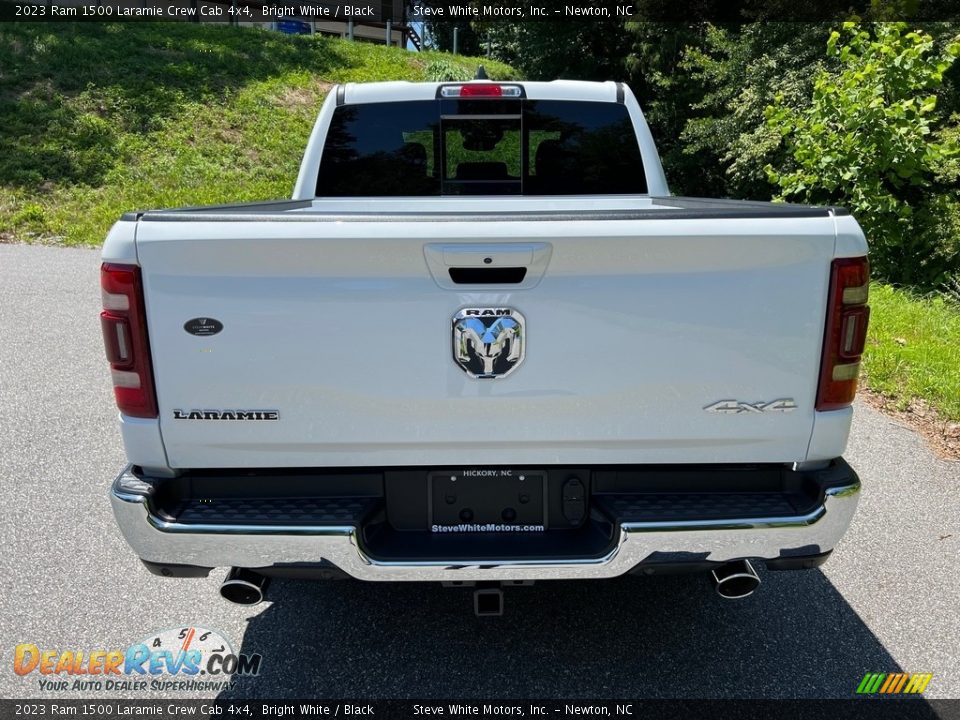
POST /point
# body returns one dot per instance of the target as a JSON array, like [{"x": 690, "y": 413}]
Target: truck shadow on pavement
[{"x": 635, "y": 637}]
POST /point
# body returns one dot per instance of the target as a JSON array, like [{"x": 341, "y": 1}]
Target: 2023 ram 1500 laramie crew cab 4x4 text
[{"x": 483, "y": 343}]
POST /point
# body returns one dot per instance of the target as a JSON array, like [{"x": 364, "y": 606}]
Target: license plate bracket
[{"x": 474, "y": 499}]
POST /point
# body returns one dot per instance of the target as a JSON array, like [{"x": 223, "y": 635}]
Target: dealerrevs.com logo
[{"x": 187, "y": 658}]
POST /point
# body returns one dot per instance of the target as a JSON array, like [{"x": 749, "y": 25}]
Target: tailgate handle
[
  {"x": 488, "y": 276},
  {"x": 509, "y": 265}
]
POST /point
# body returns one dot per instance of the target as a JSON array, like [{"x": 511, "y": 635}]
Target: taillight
[
  {"x": 124, "y": 325},
  {"x": 846, "y": 332}
]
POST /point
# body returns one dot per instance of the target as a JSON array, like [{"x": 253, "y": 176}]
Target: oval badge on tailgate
[{"x": 203, "y": 326}]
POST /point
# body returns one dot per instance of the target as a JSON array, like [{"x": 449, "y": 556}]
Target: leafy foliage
[
  {"x": 668, "y": 94},
  {"x": 737, "y": 72},
  {"x": 443, "y": 70},
  {"x": 866, "y": 141},
  {"x": 548, "y": 50},
  {"x": 439, "y": 34}
]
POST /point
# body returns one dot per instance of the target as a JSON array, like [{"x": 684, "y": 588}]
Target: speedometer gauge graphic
[{"x": 195, "y": 644}]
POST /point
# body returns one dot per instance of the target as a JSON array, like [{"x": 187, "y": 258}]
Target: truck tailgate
[{"x": 633, "y": 331}]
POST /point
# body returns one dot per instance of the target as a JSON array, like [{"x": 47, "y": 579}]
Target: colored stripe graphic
[
  {"x": 918, "y": 682},
  {"x": 903, "y": 680},
  {"x": 894, "y": 683},
  {"x": 870, "y": 683}
]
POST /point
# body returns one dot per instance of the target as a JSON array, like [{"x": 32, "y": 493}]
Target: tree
[
  {"x": 440, "y": 36},
  {"x": 550, "y": 50},
  {"x": 737, "y": 71},
  {"x": 867, "y": 141},
  {"x": 668, "y": 96}
]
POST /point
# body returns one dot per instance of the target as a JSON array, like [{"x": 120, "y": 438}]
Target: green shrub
[
  {"x": 733, "y": 74},
  {"x": 442, "y": 70},
  {"x": 866, "y": 141},
  {"x": 30, "y": 215}
]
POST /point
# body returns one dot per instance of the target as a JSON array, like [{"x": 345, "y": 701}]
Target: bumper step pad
[
  {"x": 275, "y": 511},
  {"x": 664, "y": 507}
]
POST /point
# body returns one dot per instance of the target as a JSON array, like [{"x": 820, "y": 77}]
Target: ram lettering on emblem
[{"x": 736, "y": 407}]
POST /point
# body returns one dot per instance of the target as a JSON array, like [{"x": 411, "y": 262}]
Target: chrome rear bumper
[{"x": 159, "y": 541}]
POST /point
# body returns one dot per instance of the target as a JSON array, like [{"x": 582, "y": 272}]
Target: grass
[
  {"x": 97, "y": 119},
  {"x": 913, "y": 349}
]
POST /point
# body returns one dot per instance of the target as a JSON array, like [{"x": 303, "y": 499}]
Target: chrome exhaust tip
[
  {"x": 244, "y": 587},
  {"x": 735, "y": 580}
]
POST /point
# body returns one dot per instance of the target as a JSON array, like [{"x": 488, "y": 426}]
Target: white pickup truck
[{"x": 484, "y": 345}]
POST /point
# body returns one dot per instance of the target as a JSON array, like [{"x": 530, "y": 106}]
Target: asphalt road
[{"x": 889, "y": 599}]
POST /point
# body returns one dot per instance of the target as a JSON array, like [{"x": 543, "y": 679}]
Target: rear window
[{"x": 481, "y": 147}]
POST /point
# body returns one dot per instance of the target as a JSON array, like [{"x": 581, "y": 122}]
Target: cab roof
[{"x": 396, "y": 91}]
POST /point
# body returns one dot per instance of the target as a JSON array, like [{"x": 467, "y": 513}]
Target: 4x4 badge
[
  {"x": 489, "y": 342},
  {"x": 735, "y": 407}
]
